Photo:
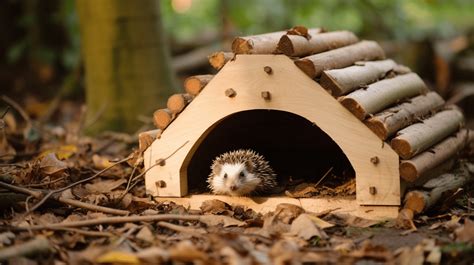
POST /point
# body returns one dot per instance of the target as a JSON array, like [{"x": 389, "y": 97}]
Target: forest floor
[{"x": 70, "y": 199}]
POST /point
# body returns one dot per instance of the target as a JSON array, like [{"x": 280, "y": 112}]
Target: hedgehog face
[{"x": 234, "y": 180}]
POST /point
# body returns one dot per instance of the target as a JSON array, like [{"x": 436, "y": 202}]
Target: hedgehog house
[{"x": 306, "y": 100}]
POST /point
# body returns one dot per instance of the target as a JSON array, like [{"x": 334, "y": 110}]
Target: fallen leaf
[
  {"x": 226, "y": 221},
  {"x": 185, "y": 251},
  {"x": 304, "y": 227},
  {"x": 101, "y": 162},
  {"x": 356, "y": 221},
  {"x": 287, "y": 212},
  {"x": 145, "y": 234},
  {"x": 303, "y": 190},
  {"x": 215, "y": 207},
  {"x": 465, "y": 233},
  {"x": 104, "y": 186},
  {"x": 51, "y": 165},
  {"x": 117, "y": 257},
  {"x": 153, "y": 255},
  {"x": 62, "y": 152}
]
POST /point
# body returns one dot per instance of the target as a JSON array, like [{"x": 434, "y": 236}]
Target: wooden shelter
[{"x": 305, "y": 96}]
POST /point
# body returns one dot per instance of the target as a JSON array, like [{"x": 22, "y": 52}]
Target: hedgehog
[{"x": 241, "y": 173}]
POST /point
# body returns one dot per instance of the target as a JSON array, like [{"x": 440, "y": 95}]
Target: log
[
  {"x": 266, "y": 43},
  {"x": 415, "y": 168},
  {"x": 219, "y": 59},
  {"x": 418, "y": 137},
  {"x": 378, "y": 96},
  {"x": 177, "y": 102},
  {"x": 389, "y": 121},
  {"x": 194, "y": 84},
  {"x": 297, "y": 46},
  {"x": 314, "y": 65},
  {"x": 145, "y": 139},
  {"x": 162, "y": 118},
  {"x": 423, "y": 199},
  {"x": 345, "y": 80}
]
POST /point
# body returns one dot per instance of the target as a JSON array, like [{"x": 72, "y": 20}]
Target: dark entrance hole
[{"x": 294, "y": 146}]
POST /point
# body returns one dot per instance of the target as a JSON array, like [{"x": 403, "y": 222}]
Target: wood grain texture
[
  {"x": 314, "y": 65},
  {"x": 380, "y": 95},
  {"x": 418, "y": 137},
  {"x": 292, "y": 91},
  {"x": 267, "y": 204},
  {"x": 345, "y": 80},
  {"x": 389, "y": 121}
]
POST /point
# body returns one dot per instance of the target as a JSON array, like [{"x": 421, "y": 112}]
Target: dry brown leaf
[
  {"x": 303, "y": 190},
  {"x": 287, "y": 212},
  {"x": 465, "y": 233},
  {"x": 356, "y": 221},
  {"x": 153, "y": 255},
  {"x": 104, "y": 186},
  {"x": 185, "y": 251},
  {"x": 145, "y": 234},
  {"x": 51, "y": 165},
  {"x": 101, "y": 162},
  {"x": 118, "y": 257},
  {"x": 215, "y": 207},
  {"x": 411, "y": 256},
  {"x": 226, "y": 221},
  {"x": 305, "y": 227}
]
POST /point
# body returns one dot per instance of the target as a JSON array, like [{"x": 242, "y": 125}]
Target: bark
[
  {"x": 177, "y": 102},
  {"x": 425, "y": 198},
  {"x": 126, "y": 61},
  {"x": 162, "y": 118},
  {"x": 418, "y": 166},
  {"x": 219, "y": 59},
  {"x": 294, "y": 45},
  {"x": 418, "y": 137},
  {"x": 194, "y": 84},
  {"x": 314, "y": 65},
  {"x": 389, "y": 121},
  {"x": 345, "y": 80},
  {"x": 378, "y": 96},
  {"x": 145, "y": 139},
  {"x": 266, "y": 43}
]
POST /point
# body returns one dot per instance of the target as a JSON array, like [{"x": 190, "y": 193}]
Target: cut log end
[
  {"x": 408, "y": 171},
  {"x": 177, "y": 102},
  {"x": 415, "y": 202},
  {"x": 330, "y": 84},
  {"x": 378, "y": 127},
  {"x": 162, "y": 118},
  {"x": 219, "y": 59},
  {"x": 402, "y": 147},
  {"x": 354, "y": 107},
  {"x": 307, "y": 67},
  {"x": 194, "y": 84},
  {"x": 241, "y": 46},
  {"x": 285, "y": 46}
]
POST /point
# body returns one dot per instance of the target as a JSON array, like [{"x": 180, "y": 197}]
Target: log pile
[{"x": 391, "y": 100}]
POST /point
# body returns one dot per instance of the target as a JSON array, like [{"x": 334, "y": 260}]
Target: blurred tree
[{"x": 126, "y": 62}]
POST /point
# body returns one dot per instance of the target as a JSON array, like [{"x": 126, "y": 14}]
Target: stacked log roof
[{"x": 391, "y": 100}]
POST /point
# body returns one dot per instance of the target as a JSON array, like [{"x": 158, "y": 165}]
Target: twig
[
  {"x": 5, "y": 112},
  {"x": 17, "y": 107},
  {"x": 37, "y": 245},
  {"x": 45, "y": 184},
  {"x": 324, "y": 176},
  {"x": 112, "y": 220},
  {"x": 182, "y": 229},
  {"x": 48, "y": 195},
  {"x": 84, "y": 232},
  {"x": 72, "y": 202}
]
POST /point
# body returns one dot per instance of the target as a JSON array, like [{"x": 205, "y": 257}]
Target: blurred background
[{"x": 42, "y": 67}]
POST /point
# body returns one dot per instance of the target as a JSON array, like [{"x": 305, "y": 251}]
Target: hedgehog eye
[
  {"x": 242, "y": 174},
  {"x": 225, "y": 175}
]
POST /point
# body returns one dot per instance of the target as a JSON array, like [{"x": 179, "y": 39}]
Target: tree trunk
[
  {"x": 126, "y": 61},
  {"x": 377, "y": 96},
  {"x": 418, "y": 137},
  {"x": 388, "y": 122}
]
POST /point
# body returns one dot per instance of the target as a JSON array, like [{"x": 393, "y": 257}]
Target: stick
[
  {"x": 263, "y": 43},
  {"x": 112, "y": 220},
  {"x": 382, "y": 94},
  {"x": 432, "y": 191},
  {"x": 418, "y": 166},
  {"x": 297, "y": 46},
  {"x": 38, "y": 245},
  {"x": 162, "y": 118},
  {"x": 194, "y": 84},
  {"x": 389, "y": 121},
  {"x": 219, "y": 59},
  {"x": 418, "y": 137},
  {"x": 181, "y": 229},
  {"x": 177, "y": 102},
  {"x": 345, "y": 80},
  {"x": 314, "y": 65}
]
